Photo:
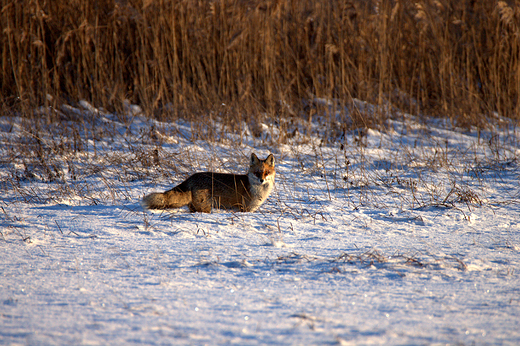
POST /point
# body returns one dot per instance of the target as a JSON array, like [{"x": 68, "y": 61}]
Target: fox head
[{"x": 263, "y": 170}]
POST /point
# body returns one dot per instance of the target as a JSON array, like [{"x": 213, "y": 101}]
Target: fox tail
[{"x": 173, "y": 198}]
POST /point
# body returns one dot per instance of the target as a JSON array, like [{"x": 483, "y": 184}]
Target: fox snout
[{"x": 262, "y": 175}]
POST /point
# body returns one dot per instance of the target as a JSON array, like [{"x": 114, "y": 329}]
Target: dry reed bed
[{"x": 245, "y": 59}]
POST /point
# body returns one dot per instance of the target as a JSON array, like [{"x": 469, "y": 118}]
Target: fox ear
[
  {"x": 254, "y": 159},
  {"x": 270, "y": 160}
]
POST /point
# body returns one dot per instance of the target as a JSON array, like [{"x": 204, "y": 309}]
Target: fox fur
[{"x": 206, "y": 190}]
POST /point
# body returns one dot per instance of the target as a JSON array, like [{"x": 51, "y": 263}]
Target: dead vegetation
[
  {"x": 79, "y": 74},
  {"x": 241, "y": 60}
]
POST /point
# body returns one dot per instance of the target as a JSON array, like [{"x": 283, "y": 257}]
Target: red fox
[{"x": 206, "y": 190}]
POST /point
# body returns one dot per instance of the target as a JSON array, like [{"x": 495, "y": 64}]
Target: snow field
[{"x": 406, "y": 236}]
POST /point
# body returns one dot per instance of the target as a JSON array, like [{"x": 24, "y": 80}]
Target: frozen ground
[{"x": 409, "y": 236}]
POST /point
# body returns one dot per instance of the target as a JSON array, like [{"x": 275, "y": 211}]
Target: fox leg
[{"x": 200, "y": 202}]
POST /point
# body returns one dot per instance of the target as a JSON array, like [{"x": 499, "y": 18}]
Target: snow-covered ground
[{"x": 409, "y": 236}]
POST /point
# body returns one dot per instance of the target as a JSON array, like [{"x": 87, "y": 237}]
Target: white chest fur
[{"x": 259, "y": 191}]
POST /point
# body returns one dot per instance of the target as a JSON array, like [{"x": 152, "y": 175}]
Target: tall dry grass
[{"x": 453, "y": 58}]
